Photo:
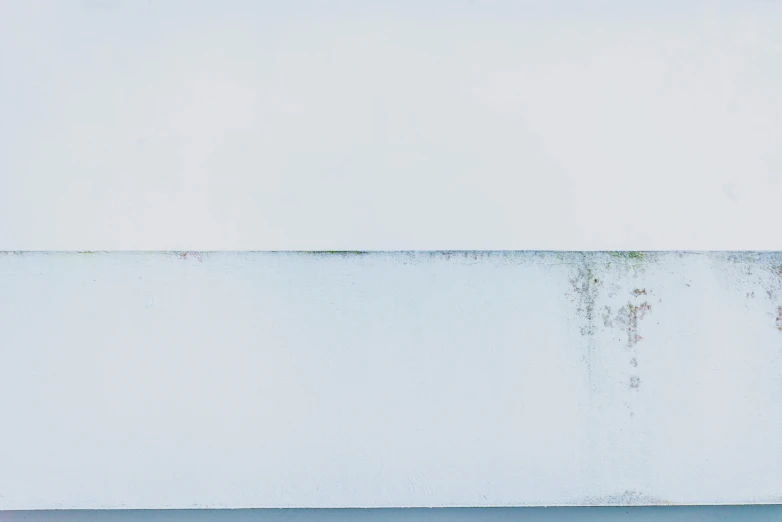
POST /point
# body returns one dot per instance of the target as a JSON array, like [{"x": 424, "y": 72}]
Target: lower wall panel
[{"x": 180, "y": 380}]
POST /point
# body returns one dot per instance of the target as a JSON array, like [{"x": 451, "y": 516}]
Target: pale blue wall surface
[
  {"x": 206, "y": 380},
  {"x": 591, "y": 514}
]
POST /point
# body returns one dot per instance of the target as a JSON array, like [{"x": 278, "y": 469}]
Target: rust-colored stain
[
  {"x": 194, "y": 255},
  {"x": 635, "y": 313}
]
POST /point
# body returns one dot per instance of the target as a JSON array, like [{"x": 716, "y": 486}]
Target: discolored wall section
[{"x": 389, "y": 379}]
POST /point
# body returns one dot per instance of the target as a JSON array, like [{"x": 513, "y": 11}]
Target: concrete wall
[
  {"x": 240, "y": 124},
  {"x": 591, "y": 514},
  {"x": 179, "y": 380}
]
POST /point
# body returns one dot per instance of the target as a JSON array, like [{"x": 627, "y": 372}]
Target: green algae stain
[{"x": 631, "y": 255}]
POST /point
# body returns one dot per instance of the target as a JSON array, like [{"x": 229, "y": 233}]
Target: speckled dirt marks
[{"x": 389, "y": 379}]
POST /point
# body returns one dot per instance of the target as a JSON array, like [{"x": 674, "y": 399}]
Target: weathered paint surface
[{"x": 335, "y": 379}]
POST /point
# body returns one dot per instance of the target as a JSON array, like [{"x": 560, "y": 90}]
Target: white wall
[{"x": 182, "y": 124}]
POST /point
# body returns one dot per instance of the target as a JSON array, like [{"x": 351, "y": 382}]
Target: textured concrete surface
[
  {"x": 571, "y": 514},
  {"x": 352, "y": 379}
]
